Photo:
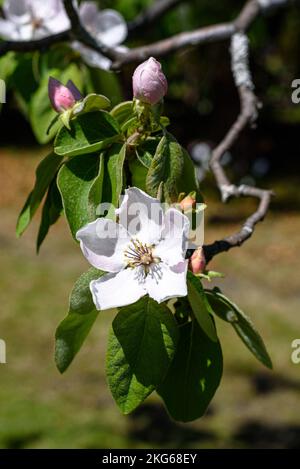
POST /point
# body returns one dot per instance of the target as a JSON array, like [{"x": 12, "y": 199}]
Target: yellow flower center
[{"x": 138, "y": 254}]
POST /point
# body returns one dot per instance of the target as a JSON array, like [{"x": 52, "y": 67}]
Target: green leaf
[
  {"x": 74, "y": 329},
  {"x": 75, "y": 180},
  {"x": 138, "y": 174},
  {"x": 41, "y": 114},
  {"x": 201, "y": 307},
  {"x": 45, "y": 173},
  {"x": 108, "y": 185},
  {"x": 122, "y": 112},
  {"x": 230, "y": 312},
  {"x": 146, "y": 151},
  {"x": 188, "y": 182},
  {"x": 167, "y": 167},
  {"x": 194, "y": 374},
  {"x": 8, "y": 64},
  {"x": 113, "y": 176},
  {"x": 91, "y": 103},
  {"x": 130, "y": 125},
  {"x": 127, "y": 391},
  {"x": 51, "y": 212},
  {"x": 148, "y": 334},
  {"x": 89, "y": 133}
]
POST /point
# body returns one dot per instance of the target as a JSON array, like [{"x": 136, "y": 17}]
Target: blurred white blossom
[{"x": 25, "y": 20}]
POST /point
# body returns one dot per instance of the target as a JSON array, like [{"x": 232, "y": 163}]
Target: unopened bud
[
  {"x": 149, "y": 83},
  {"x": 189, "y": 202},
  {"x": 63, "y": 97},
  {"x": 197, "y": 262}
]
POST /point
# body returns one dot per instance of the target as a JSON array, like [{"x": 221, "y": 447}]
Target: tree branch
[
  {"x": 79, "y": 33},
  {"x": 161, "y": 48},
  {"x": 248, "y": 115},
  {"x": 38, "y": 44},
  {"x": 174, "y": 43}
]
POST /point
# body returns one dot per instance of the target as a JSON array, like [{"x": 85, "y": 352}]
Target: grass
[{"x": 42, "y": 409}]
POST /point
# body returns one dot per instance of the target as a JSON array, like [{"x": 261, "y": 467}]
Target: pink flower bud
[
  {"x": 149, "y": 83},
  {"x": 189, "y": 202},
  {"x": 197, "y": 262},
  {"x": 63, "y": 97}
]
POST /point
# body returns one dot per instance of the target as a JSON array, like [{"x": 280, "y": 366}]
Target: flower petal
[
  {"x": 163, "y": 282},
  {"x": 16, "y": 11},
  {"x": 60, "y": 96},
  {"x": 45, "y": 10},
  {"x": 111, "y": 28},
  {"x": 91, "y": 57},
  {"x": 103, "y": 243},
  {"x": 58, "y": 23},
  {"x": 88, "y": 12},
  {"x": 141, "y": 215},
  {"x": 8, "y": 30},
  {"x": 115, "y": 290},
  {"x": 26, "y": 32},
  {"x": 171, "y": 250}
]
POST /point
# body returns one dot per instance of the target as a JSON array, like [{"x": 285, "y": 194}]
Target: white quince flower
[
  {"x": 25, "y": 20},
  {"x": 107, "y": 26},
  {"x": 143, "y": 254}
]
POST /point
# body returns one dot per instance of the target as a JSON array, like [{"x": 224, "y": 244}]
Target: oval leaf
[
  {"x": 194, "y": 374},
  {"x": 201, "y": 307},
  {"x": 229, "y": 312},
  {"x": 88, "y": 133},
  {"x": 122, "y": 112},
  {"x": 167, "y": 168},
  {"x": 91, "y": 103},
  {"x": 148, "y": 334},
  {"x": 45, "y": 173},
  {"x": 51, "y": 212},
  {"x": 75, "y": 180},
  {"x": 127, "y": 391},
  {"x": 73, "y": 330}
]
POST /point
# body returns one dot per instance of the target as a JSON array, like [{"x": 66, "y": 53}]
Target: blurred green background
[{"x": 253, "y": 407}]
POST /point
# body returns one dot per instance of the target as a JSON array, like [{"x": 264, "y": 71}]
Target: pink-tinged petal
[
  {"x": 16, "y": 11},
  {"x": 8, "y": 30},
  {"x": 88, "y": 12},
  {"x": 116, "y": 290},
  {"x": 74, "y": 90},
  {"x": 164, "y": 282},
  {"x": 141, "y": 215},
  {"x": 149, "y": 83},
  {"x": 91, "y": 57},
  {"x": 111, "y": 28},
  {"x": 174, "y": 241},
  {"x": 103, "y": 243},
  {"x": 60, "y": 96}
]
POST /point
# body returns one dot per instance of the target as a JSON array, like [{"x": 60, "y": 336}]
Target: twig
[
  {"x": 38, "y": 44},
  {"x": 179, "y": 41},
  {"x": 248, "y": 115},
  {"x": 203, "y": 35}
]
